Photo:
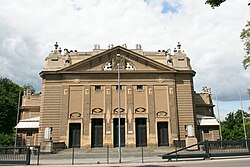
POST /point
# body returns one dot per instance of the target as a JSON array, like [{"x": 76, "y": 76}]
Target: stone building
[{"x": 78, "y": 104}]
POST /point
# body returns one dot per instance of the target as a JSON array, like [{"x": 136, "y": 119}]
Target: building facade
[{"x": 78, "y": 104}]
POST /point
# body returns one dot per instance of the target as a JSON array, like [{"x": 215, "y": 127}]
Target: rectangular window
[
  {"x": 98, "y": 88},
  {"x": 139, "y": 87},
  {"x": 116, "y": 88},
  {"x": 29, "y": 134}
]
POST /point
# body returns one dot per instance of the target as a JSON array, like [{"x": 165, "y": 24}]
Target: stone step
[{"x": 125, "y": 150}]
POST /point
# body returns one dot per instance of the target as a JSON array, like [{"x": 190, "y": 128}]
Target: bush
[{"x": 7, "y": 140}]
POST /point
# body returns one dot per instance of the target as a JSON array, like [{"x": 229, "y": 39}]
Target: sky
[{"x": 210, "y": 37}]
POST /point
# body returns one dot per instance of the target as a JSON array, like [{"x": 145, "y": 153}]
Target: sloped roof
[
  {"x": 31, "y": 123},
  {"x": 206, "y": 120}
]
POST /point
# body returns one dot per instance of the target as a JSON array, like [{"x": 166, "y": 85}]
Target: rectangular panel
[{"x": 75, "y": 102}]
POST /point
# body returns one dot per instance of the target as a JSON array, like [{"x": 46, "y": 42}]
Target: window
[
  {"x": 29, "y": 134},
  {"x": 139, "y": 87},
  {"x": 206, "y": 130},
  {"x": 116, "y": 88},
  {"x": 98, "y": 88}
]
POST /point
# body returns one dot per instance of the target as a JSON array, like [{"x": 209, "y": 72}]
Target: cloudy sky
[{"x": 210, "y": 37}]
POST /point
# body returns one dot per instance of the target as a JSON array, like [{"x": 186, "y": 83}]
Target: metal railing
[
  {"x": 15, "y": 155},
  {"x": 18, "y": 155},
  {"x": 208, "y": 149}
]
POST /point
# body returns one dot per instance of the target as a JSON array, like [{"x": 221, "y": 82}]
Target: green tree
[
  {"x": 245, "y": 34},
  {"x": 7, "y": 139},
  {"x": 232, "y": 128},
  {"x": 8, "y": 105},
  {"x": 9, "y": 95},
  {"x": 214, "y": 3},
  {"x": 245, "y": 37}
]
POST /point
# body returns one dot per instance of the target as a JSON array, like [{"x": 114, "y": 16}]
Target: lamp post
[
  {"x": 17, "y": 117},
  {"x": 244, "y": 125},
  {"x": 218, "y": 111},
  {"x": 118, "y": 58}
]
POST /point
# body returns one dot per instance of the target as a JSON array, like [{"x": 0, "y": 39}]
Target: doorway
[
  {"x": 141, "y": 132},
  {"x": 74, "y": 135},
  {"x": 116, "y": 132},
  {"x": 97, "y": 133},
  {"x": 162, "y": 129}
]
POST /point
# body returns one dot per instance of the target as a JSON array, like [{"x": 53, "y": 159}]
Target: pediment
[{"x": 107, "y": 61}]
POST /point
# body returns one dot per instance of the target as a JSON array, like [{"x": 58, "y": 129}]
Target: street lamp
[
  {"x": 242, "y": 114},
  {"x": 218, "y": 110},
  {"x": 118, "y": 59}
]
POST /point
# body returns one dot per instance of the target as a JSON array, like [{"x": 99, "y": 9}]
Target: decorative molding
[
  {"x": 121, "y": 110},
  {"x": 75, "y": 115},
  {"x": 108, "y": 91},
  {"x": 171, "y": 91},
  {"x": 140, "y": 110},
  {"x": 129, "y": 91},
  {"x": 150, "y": 91},
  {"x": 76, "y": 80},
  {"x": 65, "y": 91},
  {"x": 161, "y": 114},
  {"x": 86, "y": 91},
  {"x": 97, "y": 110}
]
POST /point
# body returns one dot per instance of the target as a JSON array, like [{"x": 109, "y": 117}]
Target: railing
[
  {"x": 208, "y": 149},
  {"x": 15, "y": 155},
  {"x": 18, "y": 155},
  {"x": 229, "y": 146}
]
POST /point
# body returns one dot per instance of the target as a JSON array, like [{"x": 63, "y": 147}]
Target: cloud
[{"x": 210, "y": 37}]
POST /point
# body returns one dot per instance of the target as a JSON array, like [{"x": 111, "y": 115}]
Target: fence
[
  {"x": 208, "y": 149},
  {"x": 18, "y": 155},
  {"x": 15, "y": 155}
]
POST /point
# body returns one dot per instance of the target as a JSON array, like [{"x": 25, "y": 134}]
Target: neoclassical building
[{"x": 78, "y": 104}]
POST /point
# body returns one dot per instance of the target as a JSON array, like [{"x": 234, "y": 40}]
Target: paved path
[{"x": 235, "y": 162}]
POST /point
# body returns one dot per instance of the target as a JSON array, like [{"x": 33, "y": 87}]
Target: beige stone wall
[
  {"x": 51, "y": 104},
  {"x": 184, "y": 87}
]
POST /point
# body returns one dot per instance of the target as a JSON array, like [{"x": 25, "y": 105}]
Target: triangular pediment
[{"x": 107, "y": 61}]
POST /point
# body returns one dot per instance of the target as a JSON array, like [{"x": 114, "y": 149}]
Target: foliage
[
  {"x": 7, "y": 139},
  {"x": 214, "y": 3},
  {"x": 8, "y": 105},
  {"x": 245, "y": 34},
  {"x": 232, "y": 128},
  {"x": 245, "y": 37}
]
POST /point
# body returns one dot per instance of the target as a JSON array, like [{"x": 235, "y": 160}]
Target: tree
[
  {"x": 245, "y": 37},
  {"x": 245, "y": 34},
  {"x": 232, "y": 128},
  {"x": 8, "y": 105},
  {"x": 214, "y": 3}
]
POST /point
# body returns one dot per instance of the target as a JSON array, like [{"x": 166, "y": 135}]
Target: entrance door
[
  {"x": 74, "y": 134},
  {"x": 141, "y": 132},
  {"x": 97, "y": 133},
  {"x": 116, "y": 132},
  {"x": 162, "y": 129}
]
